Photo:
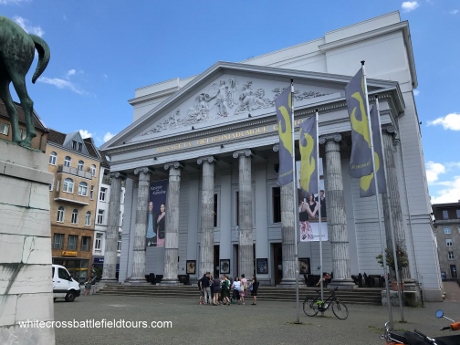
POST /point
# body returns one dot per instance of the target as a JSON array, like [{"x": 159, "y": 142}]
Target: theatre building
[{"x": 200, "y": 168}]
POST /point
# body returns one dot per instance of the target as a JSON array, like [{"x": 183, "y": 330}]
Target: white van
[{"x": 64, "y": 286}]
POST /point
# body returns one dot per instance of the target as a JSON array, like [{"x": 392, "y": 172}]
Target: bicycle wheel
[
  {"x": 310, "y": 308},
  {"x": 340, "y": 310}
]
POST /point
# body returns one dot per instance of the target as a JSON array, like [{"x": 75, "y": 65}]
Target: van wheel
[{"x": 70, "y": 296}]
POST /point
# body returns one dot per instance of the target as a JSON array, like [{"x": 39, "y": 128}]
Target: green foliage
[{"x": 401, "y": 255}]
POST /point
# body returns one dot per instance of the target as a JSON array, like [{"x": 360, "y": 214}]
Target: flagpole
[
  {"x": 294, "y": 194},
  {"x": 393, "y": 242},
  {"x": 377, "y": 195},
  {"x": 319, "y": 208}
]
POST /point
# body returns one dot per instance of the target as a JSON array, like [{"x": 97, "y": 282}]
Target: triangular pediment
[{"x": 228, "y": 93}]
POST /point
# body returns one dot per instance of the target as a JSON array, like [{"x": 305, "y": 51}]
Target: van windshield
[{"x": 63, "y": 274}]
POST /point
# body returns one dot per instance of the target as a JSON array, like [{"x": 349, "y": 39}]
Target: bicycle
[{"x": 311, "y": 306}]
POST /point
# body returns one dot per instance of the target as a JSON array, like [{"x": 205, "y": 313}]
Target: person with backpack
[
  {"x": 225, "y": 290},
  {"x": 236, "y": 290}
]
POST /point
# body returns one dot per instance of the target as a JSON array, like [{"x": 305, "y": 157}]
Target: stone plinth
[{"x": 26, "y": 286}]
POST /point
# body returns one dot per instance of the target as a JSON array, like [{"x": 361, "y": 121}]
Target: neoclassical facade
[{"x": 213, "y": 137}]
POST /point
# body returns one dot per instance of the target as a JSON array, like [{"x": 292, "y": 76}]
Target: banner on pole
[
  {"x": 156, "y": 218},
  {"x": 366, "y": 183},
  {"x": 308, "y": 147},
  {"x": 361, "y": 157},
  {"x": 283, "y": 105}
]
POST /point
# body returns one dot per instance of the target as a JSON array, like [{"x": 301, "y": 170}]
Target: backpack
[{"x": 225, "y": 285}]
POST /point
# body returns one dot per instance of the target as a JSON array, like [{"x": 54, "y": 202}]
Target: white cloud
[
  {"x": 408, "y": 6},
  {"x": 449, "y": 194},
  {"x": 453, "y": 12},
  {"x": 108, "y": 136},
  {"x": 416, "y": 92},
  {"x": 61, "y": 84},
  {"x": 85, "y": 133},
  {"x": 433, "y": 170},
  {"x": 71, "y": 72},
  {"x": 15, "y": 2},
  {"x": 451, "y": 121},
  {"x": 24, "y": 23}
]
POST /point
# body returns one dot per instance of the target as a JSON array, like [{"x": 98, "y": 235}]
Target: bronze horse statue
[{"x": 17, "y": 49}]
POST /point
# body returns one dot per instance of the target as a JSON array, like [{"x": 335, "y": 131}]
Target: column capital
[
  {"x": 210, "y": 159},
  {"x": 391, "y": 130},
  {"x": 144, "y": 170},
  {"x": 276, "y": 148},
  {"x": 337, "y": 137},
  {"x": 175, "y": 165},
  {"x": 246, "y": 152},
  {"x": 118, "y": 174}
]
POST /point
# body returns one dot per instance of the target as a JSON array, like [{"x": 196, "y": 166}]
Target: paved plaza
[{"x": 266, "y": 323}]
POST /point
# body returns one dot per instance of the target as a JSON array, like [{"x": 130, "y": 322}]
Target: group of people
[{"x": 215, "y": 291}]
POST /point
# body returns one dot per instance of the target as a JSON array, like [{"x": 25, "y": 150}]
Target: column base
[
  {"x": 136, "y": 281},
  {"x": 342, "y": 284},
  {"x": 170, "y": 283},
  {"x": 290, "y": 283}
]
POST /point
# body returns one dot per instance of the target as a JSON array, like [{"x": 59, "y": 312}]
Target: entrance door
[
  {"x": 278, "y": 262},
  {"x": 453, "y": 271},
  {"x": 236, "y": 270},
  {"x": 216, "y": 262}
]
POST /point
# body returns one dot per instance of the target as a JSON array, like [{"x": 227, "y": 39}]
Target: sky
[{"x": 101, "y": 51}]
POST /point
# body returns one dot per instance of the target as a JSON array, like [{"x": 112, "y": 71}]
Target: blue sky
[{"x": 101, "y": 51}]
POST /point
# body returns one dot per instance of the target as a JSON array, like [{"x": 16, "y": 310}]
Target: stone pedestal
[
  {"x": 26, "y": 285},
  {"x": 409, "y": 298}
]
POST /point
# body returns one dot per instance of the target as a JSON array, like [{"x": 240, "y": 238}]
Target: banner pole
[
  {"x": 377, "y": 196},
  {"x": 294, "y": 194},
  {"x": 393, "y": 242},
  {"x": 319, "y": 209}
]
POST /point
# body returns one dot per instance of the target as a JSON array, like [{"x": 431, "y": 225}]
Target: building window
[
  {"x": 448, "y": 242},
  {"x": 4, "y": 127},
  {"x": 100, "y": 217},
  {"x": 85, "y": 243},
  {"x": 447, "y": 231},
  {"x": 93, "y": 170},
  {"x": 119, "y": 242},
  {"x": 102, "y": 194},
  {"x": 72, "y": 242},
  {"x": 23, "y": 133},
  {"x": 53, "y": 158},
  {"x": 83, "y": 189},
  {"x": 215, "y": 210},
  {"x": 450, "y": 255},
  {"x": 58, "y": 241},
  {"x": 458, "y": 213},
  {"x": 98, "y": 242},
  {"x": 276, "y": 204},
  {"x": 445, "y": 215},
  {"x": 74, "y": 145},
  {"x": 68, "y": 185},
  {"x": 75, "y": 216},
  {"x": 81, "y": 165},
  {"x": 88, "y": 218},
  {"x": 60, "y": 214},
  {"x": 91, "y": 193},
  {"x": 67, "y": 161}
]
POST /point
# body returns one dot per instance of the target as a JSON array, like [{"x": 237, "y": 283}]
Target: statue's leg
[
  {"x": 27, "y": 106},
  {"x": 11, "y": 109}
]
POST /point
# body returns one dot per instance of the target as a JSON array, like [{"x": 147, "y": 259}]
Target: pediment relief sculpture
[{"x": 225, "y": 98}]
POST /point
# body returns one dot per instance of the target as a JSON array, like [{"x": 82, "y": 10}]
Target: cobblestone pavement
[{"x": 266, "y": 323}]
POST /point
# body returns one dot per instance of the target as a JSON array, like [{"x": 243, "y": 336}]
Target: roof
[
  {"x": 21, "y": 118},
  {"x": 59, "y": 138}
]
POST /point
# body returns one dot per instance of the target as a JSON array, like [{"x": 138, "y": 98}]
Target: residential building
[
  {"x": 39, "y": 142},
  {"x": 75, "y": 163},
  {"x": 447, "y": 230},
  {"x": 204, "y": 150}
]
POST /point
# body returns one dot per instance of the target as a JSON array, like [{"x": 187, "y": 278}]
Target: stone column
[
  {"x": 140, "y": 227},
  {"x": 172, "y": 225},
  {"x": 287, "y": 233},
  {"x": 246, "y": 254},
  {"x": 336, "y": 218},
  {"x": 113, "y": 224},
  {"x": 392, "y": 205},
  {"x": 207, "y": 216}
]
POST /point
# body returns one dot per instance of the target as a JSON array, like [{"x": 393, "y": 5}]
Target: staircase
[{"x": 268, "y": 293}]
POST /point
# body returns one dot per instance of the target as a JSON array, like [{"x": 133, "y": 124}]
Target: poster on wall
[
  {"x": 311, "y": 205},
  {"x": 156, "y": 217}
]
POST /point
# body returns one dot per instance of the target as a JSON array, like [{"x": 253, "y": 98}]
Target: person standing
[
  {"x": 243, "y": 288},
  {"x": 217, "y": 290},
  {"x": 236, "y": 290},
  {"x": 322, "y": 201},
  {"x": 161, "y": 226},
  {"x": 253, "y": 289},
  {"x": 225, "y": 290},
  {"x": 151, "y": 236}
]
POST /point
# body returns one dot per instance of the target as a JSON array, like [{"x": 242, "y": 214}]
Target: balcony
[{"x": 74, "y": 171}]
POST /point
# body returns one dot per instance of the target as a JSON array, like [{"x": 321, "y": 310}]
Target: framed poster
[
  {"x": 262, "y": 266},
  {"x": 190, "y": 266},
  {"x": 304, "y": 265},
  {"x": 224, "y": 266}
]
